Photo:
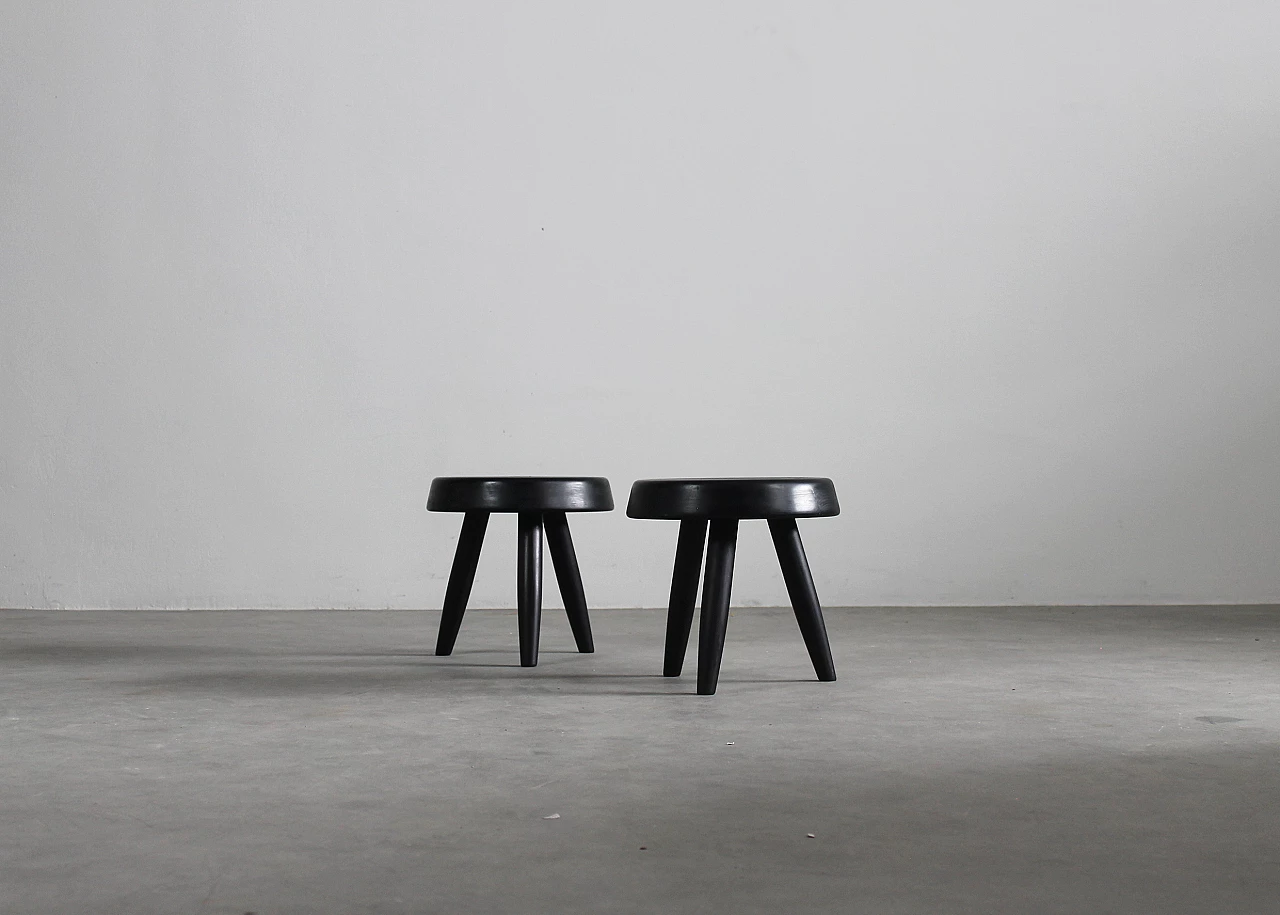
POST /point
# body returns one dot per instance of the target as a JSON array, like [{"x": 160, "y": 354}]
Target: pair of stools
[{"x": 708, "y": 512}]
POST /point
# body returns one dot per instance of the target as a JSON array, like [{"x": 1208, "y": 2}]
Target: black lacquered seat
[
  {"x": 778, "y": 497},
  {"x": 540, "y": 504},
  {"x": 518, "y": 494},
  {"x": 709, "y": 511}
]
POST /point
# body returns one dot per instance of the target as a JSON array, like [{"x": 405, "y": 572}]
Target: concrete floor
[{"x": 968, "y": 761}]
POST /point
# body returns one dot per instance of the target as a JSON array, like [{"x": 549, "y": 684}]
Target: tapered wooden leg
[
  {"x": 565, "y": 561},
  {"x": 461, "y": 577},
  {"x": 529, "y": 586},
  {"x": 721, "y": 545},
  {"x": 684, "y": 593},
  {"x": 804, "y": 597}
]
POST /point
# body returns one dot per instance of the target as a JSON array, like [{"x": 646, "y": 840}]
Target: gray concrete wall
[{"x": 1006, "y": 271}]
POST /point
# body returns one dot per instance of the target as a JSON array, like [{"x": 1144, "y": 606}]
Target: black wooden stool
[
  {"x": 723, "y": 503},
  {"x": 540, "y": 503}
]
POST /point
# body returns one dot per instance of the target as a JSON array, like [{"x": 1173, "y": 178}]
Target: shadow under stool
[
  {"x": 540, "y": 504},
  {"x": 720, "y": 505}
]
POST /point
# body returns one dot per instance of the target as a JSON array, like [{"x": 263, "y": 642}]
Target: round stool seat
[
  {"x": 520, "y": 494},
  {"x": 759, "y": 497}
]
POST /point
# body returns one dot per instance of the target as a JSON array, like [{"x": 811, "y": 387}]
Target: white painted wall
[{"x": 1008, "y": 272}]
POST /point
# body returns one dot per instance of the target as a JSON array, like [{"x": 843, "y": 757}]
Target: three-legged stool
[
  {"x": 721, "y": 504},
  {"x": 540, "y": 504}
]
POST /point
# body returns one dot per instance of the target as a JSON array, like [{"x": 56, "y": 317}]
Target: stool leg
[
  {"x": 804, "y": 597},
  {"x": 529, "y": 585},
  {"x": 565, "y": 561},
  {"x": 721, "y": 545},
  {"x": 684, "y": 593},
  {"x": 461, "y": 577}
]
